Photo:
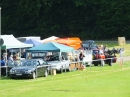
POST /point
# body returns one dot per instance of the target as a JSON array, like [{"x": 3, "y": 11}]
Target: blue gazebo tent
[{"x": 32, "y": 41}]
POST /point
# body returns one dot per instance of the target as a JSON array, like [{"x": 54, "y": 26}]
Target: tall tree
[{"x": 87, "y": 19}]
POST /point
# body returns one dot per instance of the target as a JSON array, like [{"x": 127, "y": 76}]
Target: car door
[
  {"x": 45, "y": 66},
  {"x": 38, "y": 68},
  {"x": 64, "y": 62},
  {"x": 42, "y": 67}
]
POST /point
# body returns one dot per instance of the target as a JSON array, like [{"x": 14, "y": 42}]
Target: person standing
[
  {"x": 11, "y": 58},
  {"x": 29, "y": 56},
  {"x": 5, "y": 58},
  {"x": 81, "y": 56},
  {"x": 3, "y": 70}
]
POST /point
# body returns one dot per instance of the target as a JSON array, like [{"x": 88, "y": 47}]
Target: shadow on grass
[
  {"x": 4, "y": 78},
  {"x": 8, "y": 78}
]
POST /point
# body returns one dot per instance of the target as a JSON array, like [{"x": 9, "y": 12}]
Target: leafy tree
[{"x": 87, "y": 19}]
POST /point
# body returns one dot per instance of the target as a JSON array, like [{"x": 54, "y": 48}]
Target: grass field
[{"x": 106, "y": 81}]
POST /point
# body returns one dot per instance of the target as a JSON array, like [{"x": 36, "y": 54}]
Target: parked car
[
  {"x": 100, "y": 56},
  {"x": 30, "y": 68},
  {"x": 11, "y": 64},
  {"x": 58, "y": 63}
]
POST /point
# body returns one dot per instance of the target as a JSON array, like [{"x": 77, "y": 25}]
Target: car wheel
[
  {"x": 110, "y": 63},
  {"x": 33, "y": 75},
  {"x": 46, "y": 73},
  {"x": 95, "y": 64},
  {"x": 12, "y": 77}
]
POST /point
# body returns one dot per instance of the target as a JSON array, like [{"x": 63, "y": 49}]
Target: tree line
[{"x": 87, "y": 19}]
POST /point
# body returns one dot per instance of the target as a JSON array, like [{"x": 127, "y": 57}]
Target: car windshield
[
  {"x": 14, "y": 63},
  {"x": 30, "y": 63},
  {"x": 53, "y": 58},
  {"x": 38, "y": 54},
  {"x": 85, "y": 45}
]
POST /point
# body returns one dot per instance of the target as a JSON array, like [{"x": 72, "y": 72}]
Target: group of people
[
  {"x": 77, "y": 57},
  {"x": 5, "y": 58}
]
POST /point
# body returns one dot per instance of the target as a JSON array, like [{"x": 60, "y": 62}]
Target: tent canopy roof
[
  {"x": 11, "y": 42},
  {"x": 32, "y": 41},
  {"x": 49, "y": 39},
  {"x": 51, "y": 47}
]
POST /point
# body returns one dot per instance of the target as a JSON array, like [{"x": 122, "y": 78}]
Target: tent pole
[
  {"x": 26, "y": 55},
  {"x": 6, "y": 62},
  {"x": 0, "y": 59},
  {"x": 0, "y": 37},
  {"x": 11, "y": 51},
  {"x": 6, "y": 55},
  {"x": 75, "y": 62},
  {"x": 20, "y": 52}
]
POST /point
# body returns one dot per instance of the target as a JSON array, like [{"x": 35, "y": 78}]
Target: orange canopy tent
[{"x": 74, "y": 42}]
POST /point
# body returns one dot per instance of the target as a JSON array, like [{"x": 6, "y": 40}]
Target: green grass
[{"x": 107, "y": 81}]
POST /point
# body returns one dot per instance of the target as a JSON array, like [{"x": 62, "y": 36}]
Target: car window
[
  {"x": 37, "y": 55},
  {"x": 36, "y": 63},
  {"x": 85, "y": 45},
  {"x": 40, "y": 61},
  {"x": 30, "y": 63},
  {"x": 53, "y": 58},
  {"x": 44, "y": 63},
  {"x": 10, "y": 63},
  {"x": 14, "y": 63},
  {"x": 65, "y": 55},
  {"x": 62, "y": 58}
]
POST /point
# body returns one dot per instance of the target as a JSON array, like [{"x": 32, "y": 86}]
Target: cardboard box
[{"x": 81, "y": 68}]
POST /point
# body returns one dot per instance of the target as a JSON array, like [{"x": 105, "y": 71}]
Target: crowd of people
[{"x": 8, "y": 56}]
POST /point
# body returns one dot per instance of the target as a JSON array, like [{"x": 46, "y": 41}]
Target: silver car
[{"x": 59, "y": 63}]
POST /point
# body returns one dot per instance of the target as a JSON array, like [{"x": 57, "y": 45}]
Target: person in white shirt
[
  {"x": 5, "y": 58},
  {"x": 11, "y": 58}
]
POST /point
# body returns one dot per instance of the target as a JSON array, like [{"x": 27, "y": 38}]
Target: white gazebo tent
[
  {"x": 11, "y": 42},
  {"x": 49, "y": 39}
]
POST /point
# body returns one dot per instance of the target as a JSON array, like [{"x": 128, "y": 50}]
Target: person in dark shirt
[
  {"x": 3, "y": 70},
  {"x": 2, "y": 62},
  {"x": 81, "y": 56}
]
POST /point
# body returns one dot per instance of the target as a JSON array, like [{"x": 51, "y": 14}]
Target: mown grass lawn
[{"x": 107, "y": 81}]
